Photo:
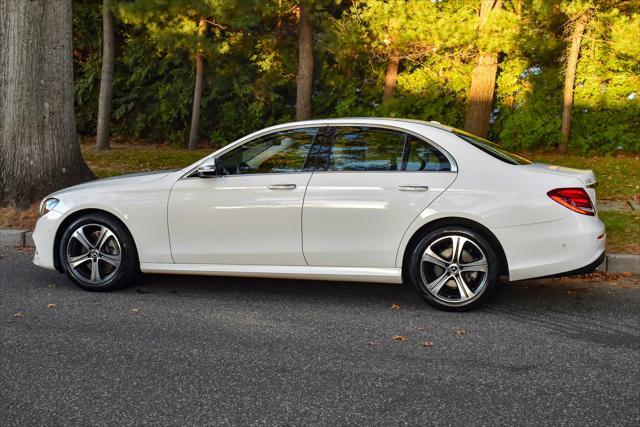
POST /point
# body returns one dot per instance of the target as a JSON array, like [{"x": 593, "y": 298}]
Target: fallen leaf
[
  {"x": 371, "y": 343},
  {"x": 395, "y": 306},
  {"x": 419, "y": 328},
  {"x": 627, "y": 274},
  {"x": 135, "y": 310},
  {"x": 459, "y": 331},
  {"x": 18, "y": 315},
  {"x": 52, "y": 305},
  {"x": 399, "y": 338},
  {"x": 52, "y": 285},
  {"x": 427, "y": 344}
]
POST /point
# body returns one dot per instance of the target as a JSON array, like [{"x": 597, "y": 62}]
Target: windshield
[{"x": 492, "y": 149}]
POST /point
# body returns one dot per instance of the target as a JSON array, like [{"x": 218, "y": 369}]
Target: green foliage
[
  {"x": 250, "y": 50},
  {"x": 606, "y": 113},
  {"x": 623, "y": 229}
]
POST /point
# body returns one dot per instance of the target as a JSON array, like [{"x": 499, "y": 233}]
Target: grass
[
  {"x": 623, "y": 231},
  {"x": 127, "y": 159},
  {"x": 618, "y": 179}
]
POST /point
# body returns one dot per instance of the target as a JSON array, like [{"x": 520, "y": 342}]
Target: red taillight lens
[{"x": 575, "y": 199}]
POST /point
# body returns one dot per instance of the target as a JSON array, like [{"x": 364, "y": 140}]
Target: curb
[
  {"x": 12, "y": 238},
  {"x": 614, "y": 263},
  {"x": 618, "y": 205},
  {"x": 623, "y": 263}
]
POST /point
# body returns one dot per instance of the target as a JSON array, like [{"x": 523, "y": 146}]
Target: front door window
[{"x": 279, "y": 152}]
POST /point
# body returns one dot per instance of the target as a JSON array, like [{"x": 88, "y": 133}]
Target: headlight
[{"x": 47, "y": 205}]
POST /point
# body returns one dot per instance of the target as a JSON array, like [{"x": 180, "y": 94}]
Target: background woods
[
  {"x": 529, "y": 74},
  {"x": 494, "y": 67}
]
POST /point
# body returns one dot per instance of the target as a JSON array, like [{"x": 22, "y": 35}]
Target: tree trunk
[
  {"x": 390, "y": 78},
  {"x": 483, "y": 80},
  {"x": 197, "y": 91},
  {"x": 39, "y": 150},
  {"x": 569, "y": 80},
  {"x": 106, "y": 78},
  {"x": 305, "y": 64}
]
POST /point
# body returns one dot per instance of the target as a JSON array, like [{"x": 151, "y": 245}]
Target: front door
[
  {"x": 369, "y": 185},
  {"x": 251, "y": 215}
]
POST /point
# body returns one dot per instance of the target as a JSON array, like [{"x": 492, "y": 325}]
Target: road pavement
[{"x": 223, "y": 351}]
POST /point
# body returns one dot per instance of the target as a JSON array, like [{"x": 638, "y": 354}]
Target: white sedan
[{"x": 360, "y": 199}]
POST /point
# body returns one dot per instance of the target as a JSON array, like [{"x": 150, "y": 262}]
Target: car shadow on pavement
[
  {"x": 575, "y": 308},
  {"x": 568, "y": 307}
]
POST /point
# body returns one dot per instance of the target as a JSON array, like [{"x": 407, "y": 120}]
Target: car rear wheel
[
  {"x": 454, "y": 268},
  {"x": 97, "y": 253}
]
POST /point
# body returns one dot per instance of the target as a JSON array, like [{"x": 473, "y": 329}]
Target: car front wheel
[
  {"x": 454, "y": 268},
  {"x": 97, "y": 253}
]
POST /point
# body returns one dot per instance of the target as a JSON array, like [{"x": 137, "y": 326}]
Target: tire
[
  {"x": 451, "y": 283},
  {"x": 97, "y": 240}
]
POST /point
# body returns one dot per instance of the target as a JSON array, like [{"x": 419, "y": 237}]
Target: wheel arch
[
  {"x": 459, "y": 222},
  {"x": 74, "y": 216}
]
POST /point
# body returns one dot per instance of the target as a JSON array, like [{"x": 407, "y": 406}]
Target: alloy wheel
[
  {"x": 454, "y": 269},
  {"x": 93, "y": 254}
]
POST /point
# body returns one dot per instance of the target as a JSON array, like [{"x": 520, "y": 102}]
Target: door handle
[
  {"x": 413, "y": 188},
  {"x": 282, "y": 187}
]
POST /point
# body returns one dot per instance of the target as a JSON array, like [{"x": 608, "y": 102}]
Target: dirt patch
[{"x": 19, "y": 219}]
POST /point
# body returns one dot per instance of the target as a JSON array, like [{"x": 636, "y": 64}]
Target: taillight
[{"x": 575, "y": 199}]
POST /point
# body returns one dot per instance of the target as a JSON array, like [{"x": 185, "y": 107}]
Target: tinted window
[
  {"x": 362, "y": 149},
  {"x": 422, "y": 156},
  {"x": 279, "y": 152},
  {"x": 493, "y": 149}
]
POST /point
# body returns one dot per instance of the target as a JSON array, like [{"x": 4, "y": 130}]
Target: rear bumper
[
  {"x": 587, "y": 269},
  {"x": 570, "y": 245}
]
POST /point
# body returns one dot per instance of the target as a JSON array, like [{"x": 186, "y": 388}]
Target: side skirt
[{"x": 347, "y": 274}]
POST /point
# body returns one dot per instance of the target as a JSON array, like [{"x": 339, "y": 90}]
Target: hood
[
  {"x": 127, "y": 179},
  {"x": 586, "y": 176}
]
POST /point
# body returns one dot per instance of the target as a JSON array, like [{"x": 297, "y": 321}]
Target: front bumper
[{"x": 44, "y": 237}]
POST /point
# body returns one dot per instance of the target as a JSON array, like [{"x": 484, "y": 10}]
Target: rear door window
[
  {"x": 422, "y": 156},
  {"x": 356, "y": 148}
]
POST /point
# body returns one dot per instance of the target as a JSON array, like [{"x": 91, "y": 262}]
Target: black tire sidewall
[
  {"x": 415, "y": 266},
  {"x": 129, "y": 265}
]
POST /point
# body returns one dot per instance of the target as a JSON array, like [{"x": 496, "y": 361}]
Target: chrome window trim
[{"x": 328, "y": 123}]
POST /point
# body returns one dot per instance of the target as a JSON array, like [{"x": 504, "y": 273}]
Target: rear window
[{"x": 492, "y": 149}]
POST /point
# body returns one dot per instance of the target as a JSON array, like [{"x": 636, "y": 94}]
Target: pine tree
[
  {"x": 305, "y": 62},
  {"x": 483, "y": 78},
  {"x": 106, "y": 77}
]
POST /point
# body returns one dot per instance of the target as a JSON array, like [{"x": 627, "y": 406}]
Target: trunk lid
[{"x": 586, "y": 176}]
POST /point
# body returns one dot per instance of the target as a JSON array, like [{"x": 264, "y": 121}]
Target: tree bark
[
  {"x": 305, "y": 64},
  {"x": 197, "y": 91},
  {"x": 391, "y": 78},
  {"x": 106, "y": 77},
  {"x": 483, "y": 80},
  {"x": 39, "y": 150},
  {"x": 569, "y": 80}
]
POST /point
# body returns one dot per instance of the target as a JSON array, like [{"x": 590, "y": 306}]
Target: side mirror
[{"x": 209, "y": 169}]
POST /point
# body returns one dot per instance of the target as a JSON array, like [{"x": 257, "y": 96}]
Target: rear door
[{"x": 368, "y": 186}]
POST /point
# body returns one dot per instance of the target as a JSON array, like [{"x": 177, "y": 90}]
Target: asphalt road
[{"x": 187, "y": 350}]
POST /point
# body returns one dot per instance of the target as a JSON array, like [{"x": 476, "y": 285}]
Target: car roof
[{"x": 367, "y": 120}]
